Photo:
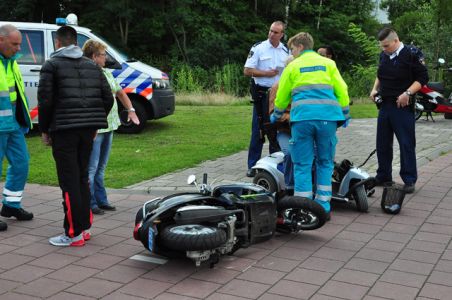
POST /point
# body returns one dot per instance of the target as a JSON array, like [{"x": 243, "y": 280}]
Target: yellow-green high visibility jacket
[
  {"x": 13, "y": 103},
  {"x": 316, "y": 89}
]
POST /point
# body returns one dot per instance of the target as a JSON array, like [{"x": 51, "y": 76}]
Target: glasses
[{"x": 102, "y": 54}]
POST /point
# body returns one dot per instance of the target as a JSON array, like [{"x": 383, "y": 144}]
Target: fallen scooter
[
  {"x": 220, "y": 220},
  {"x": 348, "y": 182}
]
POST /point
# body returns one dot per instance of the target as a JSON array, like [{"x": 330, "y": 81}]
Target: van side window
[{"x": 32, "y": 47}]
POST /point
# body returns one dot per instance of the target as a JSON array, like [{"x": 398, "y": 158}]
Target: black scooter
[{"x": 220, "y": 220}]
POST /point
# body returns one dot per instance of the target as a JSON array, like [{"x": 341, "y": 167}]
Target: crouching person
[{"x": 319, "y": 102}]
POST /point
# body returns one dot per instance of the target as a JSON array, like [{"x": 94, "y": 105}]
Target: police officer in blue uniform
[
  {"x": 265, "y": 63},
  {"x": 401, "y": 73}
]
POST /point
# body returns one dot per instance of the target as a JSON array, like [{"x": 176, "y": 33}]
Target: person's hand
[
  {"x": 272, "y": 73},
  {"x": 372, "y": 95},
  {"x": 46, "y": 140},
  {"x": 403, "y": 100},
  {"x": 345, "y": 125},
  {"x": 273, "y": 118},
  {"x": 132, "y": 116}
]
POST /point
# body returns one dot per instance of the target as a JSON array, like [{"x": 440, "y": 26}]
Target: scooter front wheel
[
  {"x": 360, "y": 196},
  {"x": 192, "y": 237},
  {"x": 265, "y": 180},
  {"x": 301, "y": 213}
]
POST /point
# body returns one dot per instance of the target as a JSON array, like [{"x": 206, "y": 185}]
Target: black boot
[
  {"x": 3, "y": 226},
  {"x": 20, "y": 213}
]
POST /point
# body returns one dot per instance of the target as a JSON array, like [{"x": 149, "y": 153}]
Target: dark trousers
[
  {"x": 260, "y": 116},
  {"x": 401, "y": 122},
  {"x": 71, "y": 150}
]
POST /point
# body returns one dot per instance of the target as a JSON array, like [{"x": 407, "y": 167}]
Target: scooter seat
[{"x": 436, "y": 86}]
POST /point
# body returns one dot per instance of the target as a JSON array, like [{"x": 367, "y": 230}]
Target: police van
[{"x": 147, "y": 87}]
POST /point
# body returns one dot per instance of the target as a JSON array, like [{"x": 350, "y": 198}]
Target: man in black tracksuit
[
  {"x": 401, "y": 73},
  {"x": 74, "y": 101}
]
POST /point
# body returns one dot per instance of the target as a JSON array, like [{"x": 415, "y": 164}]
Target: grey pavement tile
[
  {"x": 236, "y": 263},
  {"x": 99, "y": 261},
  {"x": 298, "y": 290},
  {"x": 244, "y": 288},
  {"x": 85, "y": 251},
  {"x": 393, "y": 236},
  {"x": 411, "y": 266},
  {"x": 25, "y": 273},
  {"x": 43, "y": 287},
  {"x": 270, "y": 296},
  {"x": 447, "y": 254},
  {"x": 53, "y": 261},
  {"x": 393, "y": 291},
  {"x": 309, "y": 276},
  {"x": 123, "y": 249},
  {"x": 252, "y": 253},
  {"x": 345, "y": 244},
  {"x": 324, "y": 297},
  {"x": 426, "y": 246},
  {"x": 261, "y": 275},
  {"x": 105, "y": 240},
  {"x": 36, "y": 249},
  {"x": 321, "y": 264},
  {"x": 403, "y": 278},
  {"x": 436, "y": 291},
  {"x": 375, "y": 254},
  {"x": 94, "y": 287},
  {"x": 364, "y": 228},
  {"x": 220, "y": 296},
  {"x": 401, "y": 228},
  {"x": 277, "y": 263},
  {"x": 65, "y": 296},
  {"x": 432, "y": 237},
  {"x": 385, "y": 245},
  {"x": 437, "y": 228},
  {"x": 7, "y": 248},
  {"x": 17, "y": 296},
  {"x": 444, "y": 265},
  {"x": 291, "y": 253},
  {"x": 336, "y": 254},
  {"x": 443, "y": 278},
  {"x": 172, "y": 272},
  {"x": 169, "y": 296},
  {"x": 216, "y": 275},
  {"x": 372, "y": 219},
  {"x": 72, "y": 273},
  {"x": 11, "y": 260},
  {"x": 194, "y": 288},
  {"x": 419, "y": 256},
  {"x": 145, "y": 288},
  {"x": 355, "y": 236},
  {"x": 366, "y": 265},
  {"x": 120, "y": 273},
  {"x": 343, "y": 290},
  {"x": 8, "y": 285},
  {"x": 356, "y": 277}
]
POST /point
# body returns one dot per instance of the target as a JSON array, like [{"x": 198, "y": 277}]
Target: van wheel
[{"x": 142, "y": 115}]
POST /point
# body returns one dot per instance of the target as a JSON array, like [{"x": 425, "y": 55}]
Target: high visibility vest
[
  {"x": 12, "y": 89},
  {"x": 315, "y": 89}
]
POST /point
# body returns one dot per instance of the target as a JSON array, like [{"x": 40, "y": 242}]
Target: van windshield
[{"x": 123, "y": 55}]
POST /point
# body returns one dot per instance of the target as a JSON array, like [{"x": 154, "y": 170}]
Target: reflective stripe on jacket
[
  {"x": 315, "y": 89},
  {"x": 9, "y": 94}
]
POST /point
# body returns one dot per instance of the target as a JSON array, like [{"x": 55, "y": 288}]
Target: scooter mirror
[
  {"x": 441, "y": 60},
  {"x": 191, "y": 179}
]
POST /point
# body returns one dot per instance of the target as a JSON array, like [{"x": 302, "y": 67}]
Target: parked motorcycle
[
  {"x": 220, "y": 220},
  {"x": 430, "y": 98},
  {"x": 348, "y": 182}
]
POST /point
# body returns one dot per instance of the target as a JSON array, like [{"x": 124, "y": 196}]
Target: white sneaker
[{"x": 65, "y": 241}]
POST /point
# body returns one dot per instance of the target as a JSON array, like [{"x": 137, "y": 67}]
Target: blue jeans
[
  {"x": 96, "y": 170},
  {"x": 283, "y": 141},
  {"x": 13, "y": 146}
]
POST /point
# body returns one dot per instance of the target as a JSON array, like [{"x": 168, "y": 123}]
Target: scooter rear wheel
[
  {"x": 306, "y": 213},
  {"x": 192, "y": 237},
  {"x": 265, "y": 180},
  {"x": 360, "y": 196}
]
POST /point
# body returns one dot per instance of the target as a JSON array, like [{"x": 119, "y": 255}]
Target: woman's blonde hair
[
  {"x": 92, "y": 47},
  {"x": 302, "y": 38}
]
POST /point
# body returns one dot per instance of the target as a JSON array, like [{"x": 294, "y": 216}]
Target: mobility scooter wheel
[
  {"x": 301, "y": 213},
  {"x": 265, "y": 180},
  {"x": 192, "y": 237},
  {"x": 360, "y": 196}
]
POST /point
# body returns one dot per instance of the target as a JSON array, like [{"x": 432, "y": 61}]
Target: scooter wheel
[
  {"x": 360, "y": 196},
  {"x": 265, "y": 180},
  {"x": 301, "y": 213},
  {"x": 192, "y": 237}
]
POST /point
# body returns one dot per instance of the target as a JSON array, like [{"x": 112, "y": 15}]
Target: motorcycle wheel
[
  {"x": 417, "y": 114},
  {"x": 310, "y": 215},
  {"x": 360, "y": 196},
  {"x": 192, "y": 237},
  {"x": 265, "y": 180},
  {"x": 448, "y": 116}
]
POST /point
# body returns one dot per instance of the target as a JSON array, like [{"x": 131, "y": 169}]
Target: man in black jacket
[
  {"x": 401, "y": 73},
  {"x": 74, "y": 101}
]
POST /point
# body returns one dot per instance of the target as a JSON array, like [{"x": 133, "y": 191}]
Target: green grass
[{"x": 192, "y": 135}]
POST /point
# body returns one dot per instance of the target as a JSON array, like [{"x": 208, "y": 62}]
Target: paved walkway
[{"x": 354, "y": 256}]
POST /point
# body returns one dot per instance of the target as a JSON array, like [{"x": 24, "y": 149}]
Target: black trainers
[
  {"x": 107, "y": 207},
  {"x": 97, "y": 211},
  {"x": 409, "y": 188},
  {"x": 19, "y": 213},
  {"x": 3, "y": 226},
  {"x": 251, "y": 173},
  {"x": 383, "y": 183}
]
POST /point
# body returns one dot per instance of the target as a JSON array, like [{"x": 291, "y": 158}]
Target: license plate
[{"x": 151, "y": 239}]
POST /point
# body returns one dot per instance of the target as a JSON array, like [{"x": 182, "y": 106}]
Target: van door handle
[{"x": 35, "y": 70}]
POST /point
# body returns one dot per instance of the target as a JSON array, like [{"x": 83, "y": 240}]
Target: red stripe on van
[{"x": 34, "y": 112}]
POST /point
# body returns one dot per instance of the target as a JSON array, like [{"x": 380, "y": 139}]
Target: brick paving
[{"x": 354, "y": 256}]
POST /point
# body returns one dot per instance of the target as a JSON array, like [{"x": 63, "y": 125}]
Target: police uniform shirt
[{"x": 263, "y": 56}]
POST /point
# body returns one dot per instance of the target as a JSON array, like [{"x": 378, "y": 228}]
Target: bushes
[{"x": 360, "y": 80}]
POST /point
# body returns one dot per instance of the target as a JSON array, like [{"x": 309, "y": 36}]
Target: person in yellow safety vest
[
  {"x": 319, "y": 104},
  {"x": 14, "y": 122}
]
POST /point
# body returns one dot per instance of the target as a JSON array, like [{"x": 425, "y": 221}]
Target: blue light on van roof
[{"x": 60, "y": 21}]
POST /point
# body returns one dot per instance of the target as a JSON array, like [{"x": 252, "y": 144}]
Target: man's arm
[
  {"x": 252, "y": 72},
  {"x": 374, "y": 90},
  {"x": 45, "y": 96}
]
